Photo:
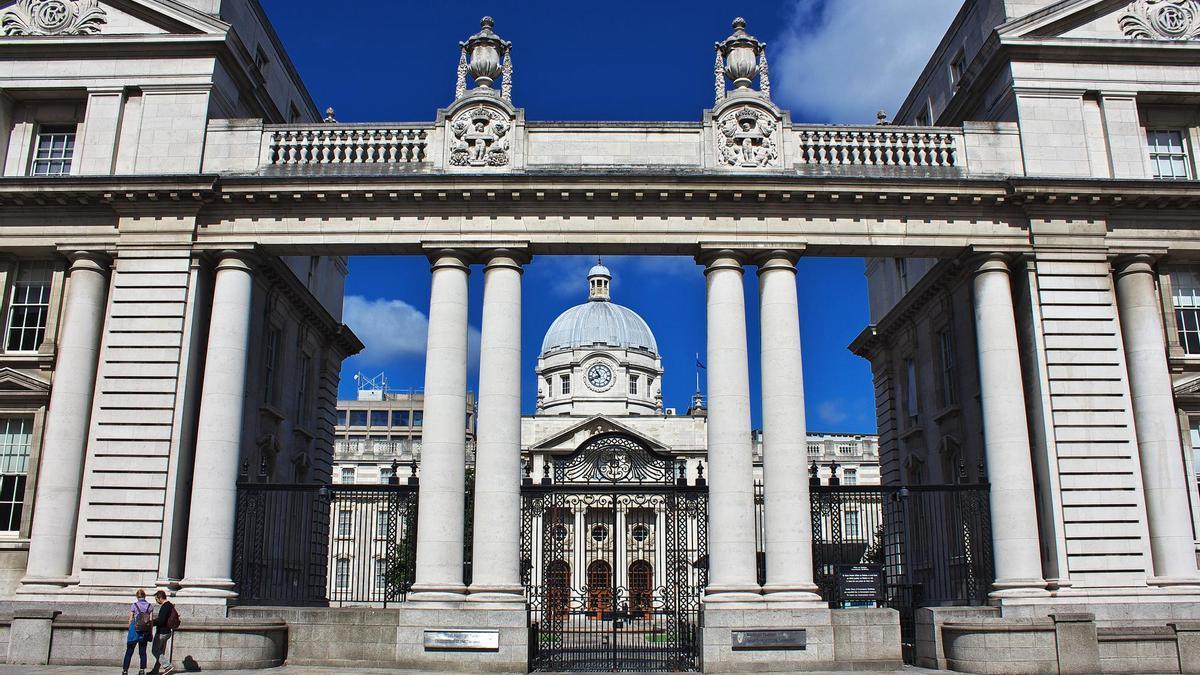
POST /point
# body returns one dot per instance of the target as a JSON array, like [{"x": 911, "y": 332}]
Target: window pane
[
  {"x": 379, "y": 418},
  {"x": 53, "y": 150},
  {"x": 417, "y": 418},
  {"x": 400, "y": 418},
  {"x": 358, "y": 418},
  {"x": 29, "y": 306}
]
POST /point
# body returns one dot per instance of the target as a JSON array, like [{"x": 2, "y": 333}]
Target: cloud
[
  {"x": 843, "y": 60},
  {"x": 832, "y": 412},
  {"x": 394, "y": 329}
]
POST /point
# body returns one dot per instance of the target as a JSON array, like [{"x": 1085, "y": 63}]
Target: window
[
  {"x": 341, "y": 417},
  {"x": 29, "y": 307},
  {"x": 16, "y": 438},
  {"x": 400, "y": 418},
  {"x": 640, "y": 533},
  {"x": 566, "y": 384},
  {"x": 925, "y": 116},
  {"x": 348, "y": 475},
  {"x": 381, "y": 524},
  {"x": 270, "y": 363},
  {"x": 1195, "y": 434},
  {"x": 902, "y": 273},
  {"x": 633, "y": 385},
  {"x": 358, "y": 418},
  {"x": 599, "y": 532},
  {"x": 1185, "y": 295},
  {"x": 293, "y": 118},
  {"x": 850, "y": 477},
  {"x": 260, "y": 60},
  {"x": 302, "y": 411},
  {"x": 385, "y": 474},
  {"x": 379, "y": 418},
  {"x": 342, "y": 574},
  {"x": 418, "y": 417},
  {"x": 380, "y": 574},
  {"x": 53, "y": 150},
  {"x": 1168, "y": 156},
  {"x": 549, "y": 387},
  {"x": 344, "y": 524},
  {"x": 949, "y": 388},
  {"x": 910, "y": 389},
  {"x": 958, "y": 65},
  {"x": 851, "y": 528}
]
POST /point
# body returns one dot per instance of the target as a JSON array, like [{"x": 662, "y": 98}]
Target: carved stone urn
[
  {"x": 741, "y": 52},
  {"x": 486, "y": 50}
]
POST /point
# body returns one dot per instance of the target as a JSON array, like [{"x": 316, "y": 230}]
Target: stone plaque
[
  {"x": 477, "y": 640},
  {"x": 788, "y": 639}
]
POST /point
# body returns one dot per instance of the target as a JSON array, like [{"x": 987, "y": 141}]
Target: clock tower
[{"x": 599, "y": 358}]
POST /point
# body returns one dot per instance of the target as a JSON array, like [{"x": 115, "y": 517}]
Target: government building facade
[{"x": 175, "y": 218}]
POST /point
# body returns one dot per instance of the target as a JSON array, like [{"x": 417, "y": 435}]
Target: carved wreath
[
  {"x": 1162, "y": 20},
  {"x": 53, "y": 17},
  {"x": 480, "y": 138},
  {"x": 746, "y": 137}
]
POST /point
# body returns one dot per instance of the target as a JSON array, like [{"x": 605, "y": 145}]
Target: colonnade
[{"x": 732, "y": 574}]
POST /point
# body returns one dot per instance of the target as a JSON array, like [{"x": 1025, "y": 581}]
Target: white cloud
[
  {"x": 832, "y": 412},
  {"x": 393, "y": 329},
  {"x": 843, "y": 60}
]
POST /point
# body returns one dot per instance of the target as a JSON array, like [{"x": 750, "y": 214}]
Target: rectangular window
[
  {"x": 633, "y": 385},
  {"x": 379, "y": 418},
  {"x": 344, "y": 523},
  {"x": 958, "y": 65},
  {"x": 381, "y": 575},
  {"x": 385, "y": 474},
  {"x": 1168, "y": 155},
  {"x": 400, "y": 418},
  {"x": 925, "y": 116},
  {"x": 1185, "y": 296},
  {"x": 418, "y": 417},
  {"x": 53, "y": 150},
  {"x": 910, "y": 389},
  {"x": 381, "y": 524},
  {"x": 949, "y": 388},
  {"x": 302, "y": 411},
  {"x": 852, "y": 530},
  {"x": 1195, "y": 434},
  {"x": 566, "y": 384},
  {"x": 342, "y": 575},
  {"x": 849, "y": 476},
  {"x": 16, "y": 439},
  {"x": 341, "y": 417},
  {"x": 29, "y": 307},
  {"x": 348, "y": 476},
  {"x": 270, "y": 363},
  {"x": 358, "y": 418}
]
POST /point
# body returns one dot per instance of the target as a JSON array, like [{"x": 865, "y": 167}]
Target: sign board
[
  {"x": 860, "y": 583},
  {"x": 486, "y": 640},
  {"x": 787, "y": 639}
]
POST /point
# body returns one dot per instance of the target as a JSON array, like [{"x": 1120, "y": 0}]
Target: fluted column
[
  {"x": 786, "y": 504},
  {"x": 439, "y": 573},
  {"x": 497, "y": 546},
  {"x": 209, "y": 563},
  {"x": 731, "y": 548},
  {"x": 1163, "y": 473},
  {"x": 56, "y": 508},
  {"x": 1006, "y": 434}
]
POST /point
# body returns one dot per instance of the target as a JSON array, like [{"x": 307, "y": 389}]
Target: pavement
[{"x": 320, "y": 670}]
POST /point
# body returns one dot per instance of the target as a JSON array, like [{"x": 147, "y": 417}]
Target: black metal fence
[{"x": 314, "y": 545}]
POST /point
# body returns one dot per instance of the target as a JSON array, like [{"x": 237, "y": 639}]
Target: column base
[
  {"x": 1019, "y": 588},
  {"x": 800, "y": 595},
  {"x": 1190, "y": 583},
  {"x": 33, "y": 584},
  {"x": 437, "y": 593},
  {"x": 207, "y": 588},
  {"x": 496, "y": 593},
  {"x": 730, "y": 593}
]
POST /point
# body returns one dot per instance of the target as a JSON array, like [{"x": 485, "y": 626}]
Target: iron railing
[{"x": 315, "y": 545}]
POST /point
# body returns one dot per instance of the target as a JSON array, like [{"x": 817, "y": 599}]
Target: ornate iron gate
[{"x": 614, "y": 560}]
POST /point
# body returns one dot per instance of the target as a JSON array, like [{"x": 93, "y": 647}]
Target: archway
[
  {"x": 641, "y": 589},
  {"x": 558, "y": 589},
  {"x": 600, "y": 591}
]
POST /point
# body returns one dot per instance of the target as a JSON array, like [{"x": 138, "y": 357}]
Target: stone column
[
  {"x": 56, "y": 506},
  {"x": 443, "y": 445},
  {"x": 208, "y": 566},
  {"x": 786, "y": 505},
  {"x": 497, "y": 545},
  {"x": 1006, "y": 434},
  {"x": 731, "y": 548},
  {"x": 1163, "y": 473}
]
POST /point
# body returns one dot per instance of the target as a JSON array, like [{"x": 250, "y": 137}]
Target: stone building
[{"x": 174, "y": 225}]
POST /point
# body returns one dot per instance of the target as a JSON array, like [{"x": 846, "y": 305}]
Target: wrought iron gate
[{"x": 614, "y": 560}]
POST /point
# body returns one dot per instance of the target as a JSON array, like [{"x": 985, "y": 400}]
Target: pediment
[
  {"x": 1126, "y": 20},
  {"x": 15, "y": 383},
  {"x": 593, "y": 426},
  {"x": 66, "y": 18}
]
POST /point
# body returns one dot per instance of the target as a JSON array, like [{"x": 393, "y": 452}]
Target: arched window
[
  {"x": 600, "y": 591},
  {"x": 641, "y": 589}
]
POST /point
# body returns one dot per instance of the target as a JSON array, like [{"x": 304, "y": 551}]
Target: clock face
[{"x": 599, "y": 376}]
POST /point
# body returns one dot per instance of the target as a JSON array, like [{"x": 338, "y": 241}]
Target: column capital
[
  {"x": 1135, "y": 263},
  {"x": 989, "y": 261},
  {"x": 724, "y": 258},
  {"x": 506, "y": 258},
  {"x": 235, "y": 260},
  {"x": 777, "y": 259},
  {"x": 446, "y": 258},
  {"x": 96, "y": 261}
]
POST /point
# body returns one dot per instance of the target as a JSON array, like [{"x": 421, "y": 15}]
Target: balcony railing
[
  {"x": 294, "y": 145},
  {"x": 877, "y": 146}
]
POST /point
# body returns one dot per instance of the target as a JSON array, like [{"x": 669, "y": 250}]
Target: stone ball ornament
[{"x": 52, "y": 18}]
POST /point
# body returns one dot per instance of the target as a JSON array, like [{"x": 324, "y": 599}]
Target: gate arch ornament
[{"x": 1162, "y": 20}]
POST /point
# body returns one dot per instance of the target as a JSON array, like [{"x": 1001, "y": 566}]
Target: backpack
[
  {"x": 173, "y": 619},
  {"x": 143, "y": 622}
]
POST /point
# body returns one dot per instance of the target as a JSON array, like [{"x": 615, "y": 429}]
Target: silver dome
[{"x": 599, "y": 324}]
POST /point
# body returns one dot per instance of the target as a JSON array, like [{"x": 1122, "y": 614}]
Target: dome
[{"x": 599, "y": 323}]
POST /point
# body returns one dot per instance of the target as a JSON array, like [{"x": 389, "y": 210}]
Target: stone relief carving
[
  {"x": 480, "y": 138},
  {"x": 53, "y": 17},
  {"x": 745, "y": 138},
  {"x": 1162, "y": 20}
]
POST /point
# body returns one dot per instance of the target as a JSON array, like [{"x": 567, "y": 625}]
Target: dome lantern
[{"x": 599, "y": 279}]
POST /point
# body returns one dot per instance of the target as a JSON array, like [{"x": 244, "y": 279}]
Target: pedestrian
[
  {"x": 141, "y": 625},
  {"x": 164, "y": 627}
]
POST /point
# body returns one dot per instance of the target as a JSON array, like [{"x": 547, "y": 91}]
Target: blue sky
[{"x": 615, "y": 60}]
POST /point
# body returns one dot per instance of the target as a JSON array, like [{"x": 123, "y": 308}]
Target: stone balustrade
[
  {"x": 290, "y": 145},
  {"x": 882, "y": 146}
]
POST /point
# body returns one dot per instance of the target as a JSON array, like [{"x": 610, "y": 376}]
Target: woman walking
[{"x": 141, "y": 624}]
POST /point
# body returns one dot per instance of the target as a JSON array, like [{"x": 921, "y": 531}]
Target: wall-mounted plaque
[
  {"x": 483, "y": 640},
  {"x": 860, "y": 583},
  {"x": 750, "y": 640}
]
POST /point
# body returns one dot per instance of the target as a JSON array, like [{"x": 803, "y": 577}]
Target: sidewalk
[{"x": 321, "y": 670}]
